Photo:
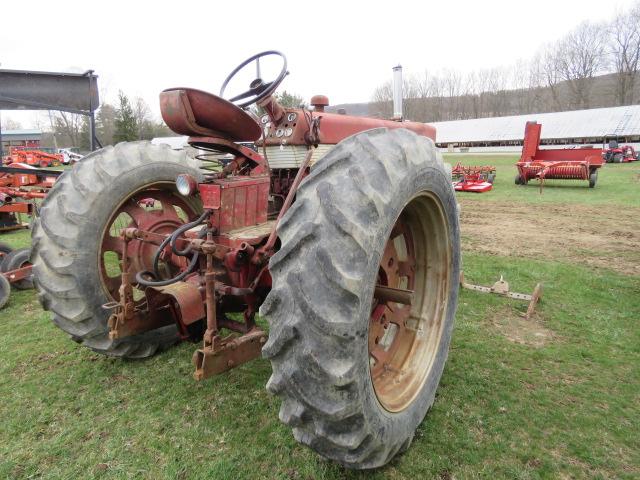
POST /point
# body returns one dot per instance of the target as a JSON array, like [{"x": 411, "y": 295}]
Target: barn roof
[{"x": 593, "y": 123}]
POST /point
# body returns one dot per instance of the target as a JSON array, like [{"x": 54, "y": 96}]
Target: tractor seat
[{"x": 195, "y": 113}]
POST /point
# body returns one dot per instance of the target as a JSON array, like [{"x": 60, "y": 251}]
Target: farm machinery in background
[
  {"x": 476, "y": 179},
  {"x": 21, "y": 188},
  {"x": 555, "y": 163},
  {"x": 34, "y": 157},
  {"x": 342, "y": 231},
  {"x": 613, "y": 152},
  {"x": 15, "y": 270}
]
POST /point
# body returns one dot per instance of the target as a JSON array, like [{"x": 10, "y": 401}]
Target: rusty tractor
[{"x": 341, "y": 231}]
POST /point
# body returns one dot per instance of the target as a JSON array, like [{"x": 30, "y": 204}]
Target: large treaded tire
[
  {"x": 323, "y": 278},
  {"x": 67, "y": 236}
]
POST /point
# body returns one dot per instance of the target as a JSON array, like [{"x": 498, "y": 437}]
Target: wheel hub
[
  {"x": 405, "y": 328},
  {"x": 159, "y": 211}
]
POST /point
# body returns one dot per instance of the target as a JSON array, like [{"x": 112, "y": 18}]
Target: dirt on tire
[{"x": 590, "y": 235}]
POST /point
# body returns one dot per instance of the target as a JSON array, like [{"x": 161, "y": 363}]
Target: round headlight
[{"x": 186, "y": 185}]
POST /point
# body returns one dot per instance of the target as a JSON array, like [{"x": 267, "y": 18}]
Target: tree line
[
  {"x": 125, "y": 121},
  {"x": 594, "y": 65}
]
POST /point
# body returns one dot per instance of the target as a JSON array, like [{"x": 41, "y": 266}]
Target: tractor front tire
[
  {"x": 66, "y": 240},
  {"x": 617, "y": 158},
  {"x": 339, "y": 241}
]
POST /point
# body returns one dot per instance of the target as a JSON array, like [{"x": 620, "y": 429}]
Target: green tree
[
  {"x": 290, "y": 100},
  {"x": 125, "y": 122}
]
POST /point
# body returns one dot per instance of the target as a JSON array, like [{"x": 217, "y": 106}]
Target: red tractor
[
  {"x": 341, "y": 231},
  {"x": 613, "y": 152}
]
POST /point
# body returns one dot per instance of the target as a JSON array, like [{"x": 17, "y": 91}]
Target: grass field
[{"x": 554, "y": 397}]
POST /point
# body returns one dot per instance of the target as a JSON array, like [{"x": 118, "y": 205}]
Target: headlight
[{"x": 186, "y": 185}]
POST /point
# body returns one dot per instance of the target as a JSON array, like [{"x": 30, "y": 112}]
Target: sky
[{"x": 342, "y": 49}]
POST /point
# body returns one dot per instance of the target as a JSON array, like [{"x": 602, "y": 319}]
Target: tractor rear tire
[
  {"x": 18, "y": 259},
  {"x": 66, "y": 241},
  {"x": 321, "y": 306}
]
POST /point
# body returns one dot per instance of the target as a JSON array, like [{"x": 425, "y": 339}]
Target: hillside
[{"x": 560, "y": 97}]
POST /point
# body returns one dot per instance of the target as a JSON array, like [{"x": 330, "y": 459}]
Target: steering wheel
[{"x": 258, "y": 89}]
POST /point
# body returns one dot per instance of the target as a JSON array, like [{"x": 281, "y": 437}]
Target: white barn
[{"x": 578, "y": 127}]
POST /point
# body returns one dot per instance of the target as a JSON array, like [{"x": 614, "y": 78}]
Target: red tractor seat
[{"x": 195, "y": 113}]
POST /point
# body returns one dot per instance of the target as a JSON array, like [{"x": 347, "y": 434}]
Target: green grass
[{"x": 566, "y": 409}]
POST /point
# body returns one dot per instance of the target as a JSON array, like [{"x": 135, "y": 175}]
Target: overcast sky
[{"x": 342, "y": 49}]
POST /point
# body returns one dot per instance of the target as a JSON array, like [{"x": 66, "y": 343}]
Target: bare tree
[
  {"x": 67, "y": 128},
  {"x": 580, "y": 57},
  {"x": 11, "y": 124},
  {"x": 624, "y": 44},
  {"x": 142, "y": 115}
]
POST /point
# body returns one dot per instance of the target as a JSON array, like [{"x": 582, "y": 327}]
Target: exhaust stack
[{"x": 397, "y": 92}]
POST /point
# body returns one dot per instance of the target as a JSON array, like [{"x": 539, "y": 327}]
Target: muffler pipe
[{"x": 397, "y": 92}]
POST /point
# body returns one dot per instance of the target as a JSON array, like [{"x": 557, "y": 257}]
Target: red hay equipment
[
  {"x": 475, "y": 179},
  {"x": 555, "y": 163}
]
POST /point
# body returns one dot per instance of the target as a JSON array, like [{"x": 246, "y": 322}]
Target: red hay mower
[
  {"x": 475, "y": 179},
  {"x": 558, "y": 163},
  {"x": 341, "y": 231}
]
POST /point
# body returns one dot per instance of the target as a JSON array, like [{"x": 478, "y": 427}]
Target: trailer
[{"x": 555, "y": 163}]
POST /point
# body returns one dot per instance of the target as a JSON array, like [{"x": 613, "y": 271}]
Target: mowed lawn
[{"x": 554, "y": 397}]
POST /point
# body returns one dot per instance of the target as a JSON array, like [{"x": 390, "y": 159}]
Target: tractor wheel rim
[
  {"x": 152, "y": 209},
  {"x": 403, "y": 340}
]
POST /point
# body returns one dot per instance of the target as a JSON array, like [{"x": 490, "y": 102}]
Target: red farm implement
[
  {"x": 34, "y": 158},
  {"x": 476, "y": 179},
  {"x": 15, "y": 270},
  {"x": 556, "y": 163},
  {"x": 342, "y": 231},
  {"x": 21, "y": 186}
]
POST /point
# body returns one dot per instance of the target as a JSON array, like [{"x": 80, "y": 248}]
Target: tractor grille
[{"x": 292, "y": 156}]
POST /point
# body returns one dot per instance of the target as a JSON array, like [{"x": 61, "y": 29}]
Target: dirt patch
[
  {"x": 602, "y": 236},
  {"x": 518, "y": 329}
]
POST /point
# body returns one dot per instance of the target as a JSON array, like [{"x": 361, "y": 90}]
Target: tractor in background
[
  {"x": 341, "y": 231},
  {"x": 613, "y": 152}
]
